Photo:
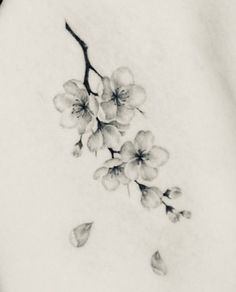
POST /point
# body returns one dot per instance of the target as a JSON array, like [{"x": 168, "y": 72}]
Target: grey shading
[
  {"x": 80, "y": 234},
  {"x": 158, "y": 265},
  {"x": 102, "y": 118}
]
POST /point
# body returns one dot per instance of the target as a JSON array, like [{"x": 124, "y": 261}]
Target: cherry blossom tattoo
[{"x": 102, "y": 119}]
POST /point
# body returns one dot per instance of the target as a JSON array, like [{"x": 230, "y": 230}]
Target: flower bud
[
  {"x": 158, "y": 265},
  {"x": 151, "y": 197},
  {"x": 79, "y": 235},
  {"x": 173, "y": 193},
  {"x": 77, "y": 151},
  {"x": 173, "y": 215},
  {"x": 186, "y": 214}
]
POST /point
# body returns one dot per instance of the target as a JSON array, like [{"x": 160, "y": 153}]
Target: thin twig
[{"x": 88, "y": 65}]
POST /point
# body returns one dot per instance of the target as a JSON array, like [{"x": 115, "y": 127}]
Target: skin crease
[{"x": 182, "y": 53}]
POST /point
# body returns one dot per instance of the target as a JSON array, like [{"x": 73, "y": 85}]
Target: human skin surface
[{"x": 183, "y": 53}]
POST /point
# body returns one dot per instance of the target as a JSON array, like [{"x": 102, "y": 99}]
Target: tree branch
[{"x": 88, "y": 65}]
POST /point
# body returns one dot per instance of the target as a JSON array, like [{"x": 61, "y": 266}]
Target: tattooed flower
[
  {"x": 77, "y": 107},
  {"x": 151, "y": 196},
  {"x": 106, "y": 135},
  {"x": 112, "y": 174},
  {"x": 158, "y": 265},
  {"x": 121, "y": 96},
  {"x": 80, "y": 235},
  {"x": 173, "y": 193},
  {"x": 142, "y": 157}
]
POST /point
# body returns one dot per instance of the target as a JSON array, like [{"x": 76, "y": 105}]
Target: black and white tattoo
[{"x": 102, "y": 119}]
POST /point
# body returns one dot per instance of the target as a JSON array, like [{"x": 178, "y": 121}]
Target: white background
[{"x": 183, "y": 52}]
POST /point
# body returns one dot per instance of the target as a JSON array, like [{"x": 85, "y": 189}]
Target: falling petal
[
  {"x": 158, "y": 265},
  {"x": 79, "y": 235}
]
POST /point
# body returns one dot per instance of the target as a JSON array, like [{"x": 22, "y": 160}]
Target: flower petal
[
  {"x": 113, "y": 162},
  {"x": 111, "y": 136},
  {"x": 121, "y": 127},
  {"x": 123, "y": 179},
  {"x": 122, "y": 77},
  {"x": 109, "y": 108},
  {"x": 84, "y": 120},
  {"x": 92, "y": 126},
  {"x": 74, "y": 87},
  {"x": 93, "y": 105},
  {"x": 100, "y": 172},
  {"x": 144, "y": 140},
  {"x": 110, "y": 182},
  {"x": 63, "y": 101},
  {"x": 148, "y": 172},
  {"x": 151, "y": 197},
  {"x": 80, "y": 235},
  {"x": 127, "y": 151},
  {"x": 124, "y": 114},
  {"x": 95, "y": 141},
  {"x": 68, "y": 120},
  {"x": 157, "y": 156},
  {"x": 158, "y": 265},
  {"x": 132, "y": 169},
  {"x": 137, "y": 96},
  {"x": 106, "y": 90}
]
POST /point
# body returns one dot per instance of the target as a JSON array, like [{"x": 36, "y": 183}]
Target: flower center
[
  {"x": 120, "y": 96},
  {"x": 79, "y": 108},
  {"x": 141, "y": 155},
  {"x": 116, "y": 170}
]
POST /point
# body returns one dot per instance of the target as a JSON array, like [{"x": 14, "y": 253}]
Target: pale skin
[{"x": 182, "y": 53}]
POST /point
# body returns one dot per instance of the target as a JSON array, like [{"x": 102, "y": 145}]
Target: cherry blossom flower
[
  {"x": 121, "y": 96},
  {"x": 77, "y": 107},
  {"x": 142, "y": 157},
  {"x": 112, "y": 174}
]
